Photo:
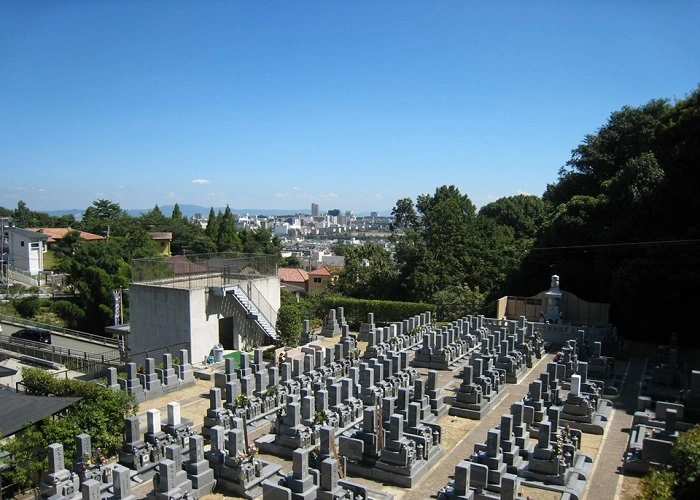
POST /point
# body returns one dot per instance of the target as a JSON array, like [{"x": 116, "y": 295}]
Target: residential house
[
  {"x": 162, "y": 240},
  {"x": 294, "y": 280},
  {"x": 26, "y": 249},
  {"x": 56, "y": 234},
  {"x": 320, "y": 279}
]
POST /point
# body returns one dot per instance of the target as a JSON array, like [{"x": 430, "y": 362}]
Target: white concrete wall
[{"x": 163, "y": 316}]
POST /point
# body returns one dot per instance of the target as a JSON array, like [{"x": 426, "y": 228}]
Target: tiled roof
[
  {"x": 322, "y": 271},
  {"x": 57, "y": 233},
  {"x": 160, "y": 235},
  {"x": 292, "y": 275}
]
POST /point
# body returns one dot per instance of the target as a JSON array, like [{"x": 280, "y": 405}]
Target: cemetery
[{"x": 359, "y": 416}]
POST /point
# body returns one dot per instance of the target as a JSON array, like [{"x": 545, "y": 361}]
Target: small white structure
[{"x": 26, "y": 250}]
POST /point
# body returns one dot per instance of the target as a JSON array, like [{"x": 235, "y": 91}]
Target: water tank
[{"x": 218, "y": 353}]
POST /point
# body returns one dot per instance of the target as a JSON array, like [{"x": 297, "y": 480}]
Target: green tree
[
  {"x": 369, "y": 272},
  {"x": 227, "y": 238},
  {"x": 404, "y": 214},
  {"x": 213, "y": 222},
  {"x": 94, "y": 271},
  {"x": 289, "y": 325},
  {"x": 525, "y": 214},
  {"x": 291, "y": 261}
]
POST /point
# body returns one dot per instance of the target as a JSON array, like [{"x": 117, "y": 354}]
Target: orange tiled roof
[
  {"x": 322, "y": 271},
  {"x": 292, "y": 275},
  {"x": 57, "y": 233}
]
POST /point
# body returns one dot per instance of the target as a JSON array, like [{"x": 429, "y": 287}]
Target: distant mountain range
[{"x": 190, "y": 210}]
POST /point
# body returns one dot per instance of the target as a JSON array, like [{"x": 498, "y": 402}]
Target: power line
[{"x": 619, "y": 245}]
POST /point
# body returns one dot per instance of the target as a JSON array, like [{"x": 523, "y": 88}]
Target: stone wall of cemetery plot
[{"x": 574, "y": 310}]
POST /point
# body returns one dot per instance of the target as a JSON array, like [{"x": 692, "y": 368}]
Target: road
[{"x": 65, "y": 342}]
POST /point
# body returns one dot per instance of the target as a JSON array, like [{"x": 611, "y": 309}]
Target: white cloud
[
  {"x": 322, "y": 196},
  {"x": 520, "y": 191},
  {"x": 201, "y": 181},
  {"x": 281, "y": 195},
  {"x": 171, "y": 195},
  {"x": 297, "y": 188}
]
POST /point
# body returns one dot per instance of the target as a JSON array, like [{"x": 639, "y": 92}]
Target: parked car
[{"x": 33, "y": 334}]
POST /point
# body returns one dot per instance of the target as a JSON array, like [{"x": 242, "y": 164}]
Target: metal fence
[
  {"x": 50, "y": 355},
  {"x": 66, "y": 332},
  {"x": 202, "y": 270}
]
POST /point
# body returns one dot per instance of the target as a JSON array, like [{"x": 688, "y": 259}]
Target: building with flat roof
[{"x": 203, "y": 301}]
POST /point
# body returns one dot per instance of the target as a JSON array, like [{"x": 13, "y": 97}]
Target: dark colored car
[{"x": 33, "y": 334}]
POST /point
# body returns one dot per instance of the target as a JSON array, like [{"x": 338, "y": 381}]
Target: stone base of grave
[
  {"x": 437, "y": 412},
  {"x": 573, "y": 482},
  {"x": 271, "y": 489},
  {"x": 391, "y": 474},
  {"x": 633, "y": 462},
  {"x": 474, "y": 411},
  {"x": 266, "y": 444},
  {"x": 359, "y": 490},
  {"x": 438, "y": 362},
  {"x": 596, "y": 425},
  {"x": 514, "y": 377},
  {"x": 250, "y": 490}
]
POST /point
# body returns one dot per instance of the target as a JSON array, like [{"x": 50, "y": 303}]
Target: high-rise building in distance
[{"x": 314, "y": 209}]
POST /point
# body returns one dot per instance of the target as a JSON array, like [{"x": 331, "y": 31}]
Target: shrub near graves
[
  {"x": 100, "y": 413},
  {"x": 683, "y": 480}
]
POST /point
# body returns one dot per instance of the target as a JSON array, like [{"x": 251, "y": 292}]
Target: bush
[
  {"x": 685, "y": 461},
  {"x": 659, "y": 485},
  {"x": 385, "y": 311},
  {"x": 27, "y": 307},
  {"x": 69, "y": 312},
  {"x": 100, "y": 413}
]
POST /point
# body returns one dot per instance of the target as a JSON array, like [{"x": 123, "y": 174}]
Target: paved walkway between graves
[
  {"x": 439, "y": 475},
  {"x": 607, "y": 480}
]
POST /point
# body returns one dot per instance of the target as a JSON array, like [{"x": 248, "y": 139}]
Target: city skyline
[{"x": 351, "y": 106}]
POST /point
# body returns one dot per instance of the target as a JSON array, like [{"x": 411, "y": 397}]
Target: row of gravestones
[
  {"x": 497, "y": 467},
  {"x": 453, "y": 344},
  {"x": 657, "y": 424},
  {"x": 153, "y": 382},
  {"x": 395, "y": 409},
  {"x": 334, "y": 325},
  {"x": 319, "y": 474},
  {"x": 339, "y": 401},
  {"x": 508, "y": 457},
  {"x": 497, "y": 360},
  {"x": 182, "y": 472},
  {"x": 404, "y": 335}
]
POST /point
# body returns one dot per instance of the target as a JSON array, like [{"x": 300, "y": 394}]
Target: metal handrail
[
  {"x": 261, "y": 304},
  {"x": 80, "y": 360},
  {"x": 67, "y": 332}
]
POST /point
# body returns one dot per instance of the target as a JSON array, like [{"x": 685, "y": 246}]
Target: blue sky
[{"x": 348, "y": 104}]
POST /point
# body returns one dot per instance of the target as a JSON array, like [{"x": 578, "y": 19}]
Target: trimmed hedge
[{"x": 385, "y": 311}]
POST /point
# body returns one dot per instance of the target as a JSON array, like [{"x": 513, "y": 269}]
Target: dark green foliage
[
  {"x": 624, "y": 222},
  {"x": 369, "y": 272},
  {"x": 525, "y": 214},
  {"x": 385, "y": 311},
  {"x": 291, "y": 261},
  {"x": 68, "y": 311},
  {"x": 100, "y": 413},
  {"x": 289, "y": 325},
  {"x": 685, "y": 462},
  {"x": 27, "y": 307},
  {"x": 658, "y": 485}
]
